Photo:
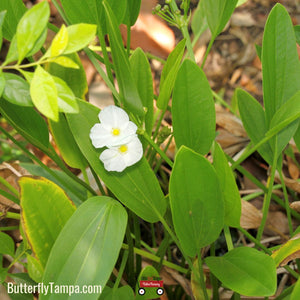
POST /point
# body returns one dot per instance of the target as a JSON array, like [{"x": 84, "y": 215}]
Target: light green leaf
[
  {"x": 66, "y": 143},
  {"x": 296, "y": 291},
  {"x": 45, "y": 210},
  {"x": 136, "y": 187},
  {"x": 280, "y": 62},
  {"x": 66, "y": 98},
  {"x": 168, "y": 75},
  {"x": 127, "y": 87},
  {"x": 193, "y": 109},
  {"x": 143, "y": 79},
  {"x": 297, "y": 33},
  {"x": 2, "y": 83},
  {"x": 199, "y": 22},
  {"x": 66, "y": 62},
  {"x": 246, "y": 271},
  {"x": 196, "y": 201},
  {"x": 60, "y": 42},
  {"x": 89, "y": 251},
  {"x": 253, "y": 117},
  {"x": 44, "y": 93},
  {"x": 16, "y": 90},
  {"x": 218, "y": 13},
  {"x": 79, "y": 36},
  {"x": 15, "y": 10},
  {"x": 7, "y": 245},
  {"x": 231, "y": 196},
  {"x": 35, "y": 269},
  {"x": 30, "y": 28},
  {"x": 27, "y": 122}
]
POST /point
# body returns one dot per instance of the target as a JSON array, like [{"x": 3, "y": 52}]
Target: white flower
[
  {"x": 122, "y": 156},
  {"x": 115, "y": 128}
]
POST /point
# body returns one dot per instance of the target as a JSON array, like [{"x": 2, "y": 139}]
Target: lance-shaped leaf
[
  {"x": 89, "y": 251},
  {"x": 133, "y": 9},
  {"x": 45, "y": 210},
  {"x": 193, "y": 109},
  {"x": 136, "y": 187},
  {"x": 196, "y": 201}
]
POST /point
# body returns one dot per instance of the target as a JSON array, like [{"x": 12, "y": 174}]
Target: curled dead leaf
[{"x": 251, "y": 217}]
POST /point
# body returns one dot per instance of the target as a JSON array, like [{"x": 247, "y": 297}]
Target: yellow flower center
[
  {"x": 123, "y": 149},
  {"x": 115, "y": 131}
]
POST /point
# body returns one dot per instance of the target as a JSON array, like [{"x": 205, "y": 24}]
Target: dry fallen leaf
[{"x": 251, "y": 217}]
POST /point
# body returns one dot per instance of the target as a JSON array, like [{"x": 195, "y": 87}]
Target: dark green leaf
[
  {"x": 127, "y": 87},
  {"x": 193, "y": 109},
  {"x": 136, "y": 187},
  {"x": 143, "y": 78},
  {"x": 196, "y": 201},
  {"x": 2, "y": 83},
  {"x": 168, "y": 75},
  {"x": 45, "y": 210},
  {"x": 124, "y": 293},
  {"x": 297, "y": 138},
  {"x": 2, "y": 16},
  {"x": 246, "y": 271},
  {"x": 16, "y": 90},
  {"x": 89, "y": 251},
  {"x": 7, "y": 245},
  {"x": 133, "y": 9},
  {"x": 231, "y": 196}
]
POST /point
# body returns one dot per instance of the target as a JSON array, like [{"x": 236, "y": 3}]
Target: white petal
[
  {"x": 113, "y": 160},
  {"x": 113, "y": 117},
  {"x": 99, "y": 135},
  {"x": 134, "y": 153}
]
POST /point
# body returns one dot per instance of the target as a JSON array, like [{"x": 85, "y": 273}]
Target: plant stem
[
  {"x": 121, "y": 270},
  {"x": 201, "y": 277},
  {"x": 207, "y": 51},
  {"x": 224, "y": 103},
  {"x": 128, "y": 40},
  {"x": 228, "y": 238},
  {"x": 9, "y": 196},
  {"x": 9, "y": 228},
  {"x": 9, "y": 186},
  {"x": 10, "y": 215},
  {"x": 186, "y": 35}
]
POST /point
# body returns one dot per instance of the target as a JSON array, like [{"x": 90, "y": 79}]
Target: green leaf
[
  {"x": 231, "y": 196},
  {"x": 296, "y": 291},
  {"x": 27, "y": 122},
  {"x": 297, "y": 33},
  {"x": 2, "y": 16},
  {"x": 75, "y": 78},
  {"x": 297, "y": 138},
  {"x": 127, "y": 87},
  {"x": 66, "y": 62},
  {"x": 7, "y": 245},
  {"x": 218, "y": 13},
  {"x": 136, "y": 187},
  {"x": 193, "y": 109},
  {"x": 2, "y": 83},
  {"x": 199, "y": 21},
  {"x": 44, "y": 93},
  {"x": 132, "y": 13},
  {"x": 124, "y": 293},
  {"x": 35, "y": 269},
  {"x": 168, "y": 75},
  {"x": 66, "y": 143},
  {"x": 253, "y": 117},
  {"x": 30, "y": 28},
  {"x": 60, "y": 42},
  {"x": 16, "y": 90},
  {"x": 246, "y": 271},
  {"x": 45, "y": 210},
  {"x": 280, "y": 62},
  {"x": 196, "y": 201},
  {"x": 15, "y": 10},
  {"x": 66, "y": 98},
  {"x": 143, "y": 79},
  {"x": 89, "y": 251}
]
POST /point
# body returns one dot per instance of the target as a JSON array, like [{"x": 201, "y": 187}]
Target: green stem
[
  {"x": 9, "y": 196},
  {"x": 9, "y": 228},
  {"x": 267, "y": 198},
  {"x": 86, "y": 179},
  {"x": 121, "y": 270},
  {"x": 228, "y": 238},
  {"x": 186, "y": 35},
  {"x": 207, "y": 51},
  {"x": 128, "y": 40},
  {"x": 156, "y": 259},
  {"x": 98, "y": 182},
  {"x": 201, "y": 277},
  {"x": 10, "y": 215},
  {"x": 9, "y": 186},
  {"x": 213, "y": 279},
  {"x": 130, "y": 264},
  {"x": 224, "y": 103}
]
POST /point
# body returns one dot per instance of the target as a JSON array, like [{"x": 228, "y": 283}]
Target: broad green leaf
[
  {"x": 127, "y": 87},
  {"x": 66, "y": 100},
  {"x": 7, "y": 245},
  {"x": 168, "y": 75},
  {"x": 66, "y": 62},
  {"x": 124, "y": 293},
  {"x": 193, "y": 109},
  {"x": 231, "y": 196},
  {"x": 246, "y": 271},
  {"x": 89, "y": 251},
  {"x": 286, "y": 250},
  {"x": 92, "y": 11},
  {"x": 66, "y": 143},
  {"x": 60, "y": 41},
  {"x": 30, "y": 28},
  {"x": 27, "y": 122},
  {"x": 44, "y": 93},
  {"x": 218, "y": 13},
  {"x": 45, "y": 210},
  {"x": 75, "y": 78},
  {"x": 76, "y": 192},
  {"x": 296, "y": 291},
  {"x": 132, "y": 12},
  {"x": 2, "y": 16},
  {"x": 15, "y": 10},
  {"x": 253, "y": 117},
  {"x": 16, "y": 90},
  {"x": 142, "y": 75},
  {"x": 136, "y": 187},
  {"x": 297, "y": 33},
  {"x": 280, "y": 62},
  {"x": 196, "y": 201},
  {"x": 35, "y": 269},
  {"x": 79, "y": 36}
]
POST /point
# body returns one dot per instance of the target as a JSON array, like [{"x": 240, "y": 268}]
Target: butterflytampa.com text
[{"x": 51, "y": 288}]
